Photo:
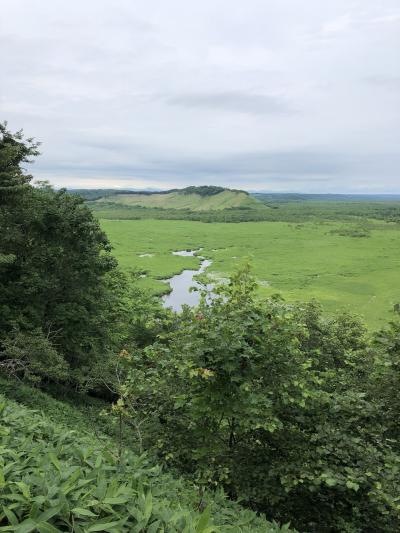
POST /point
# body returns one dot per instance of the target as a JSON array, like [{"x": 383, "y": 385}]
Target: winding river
[{"x": 181, "y": 283}]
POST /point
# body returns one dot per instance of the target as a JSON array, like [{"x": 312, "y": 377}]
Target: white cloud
[{"x": 169, "y": 93}]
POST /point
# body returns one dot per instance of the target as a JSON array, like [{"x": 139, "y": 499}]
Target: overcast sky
[{"x": 277, "y": 95}]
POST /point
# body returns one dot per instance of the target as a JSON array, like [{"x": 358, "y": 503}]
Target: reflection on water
[{"x": 181, "y": 284}]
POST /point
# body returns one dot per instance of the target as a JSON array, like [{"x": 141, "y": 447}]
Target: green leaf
[
  {"x": 116, "y": 500},
  {"x": 24, "y": 489},
  {"x": 148, "y": 508},
  {"x": 26, "y": 526},
  {"x": 2, "y": 479},
  {"x": 49, "y": 513},
  {"x": 352, "y": 485},
  {"x": 55, "y": 461},
  {"x": 10, "y": 516},
  {"x": 82, "y": 512},
  {"x": 330, "y": 481},
  {"x": 103, "y": 525},
  {"x": 45, "y": 527},
  {"x": 203, "y": 521}
]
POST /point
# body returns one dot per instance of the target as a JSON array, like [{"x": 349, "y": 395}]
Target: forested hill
[
  {"x": 206, "y": 203},
  {"x": 205, "y": 198},
  {"x": 202, "y": 190}
]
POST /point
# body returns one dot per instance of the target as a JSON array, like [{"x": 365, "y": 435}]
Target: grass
[
  {"x": 56, "y": 475},
  {"x": 316, "y": 259},
  {"x": 177, "y": 200}
]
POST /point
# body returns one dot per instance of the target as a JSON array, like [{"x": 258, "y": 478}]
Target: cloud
[
  {"x": 337, "y": 26},
  {"x": 386, "y": 82},
  {"x": 233, "y": 101},
  {"x": 297, "y": 95},
  {"x": 271, "y": 170}
]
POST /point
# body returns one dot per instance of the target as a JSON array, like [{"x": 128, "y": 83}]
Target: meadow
[{"x": 341, "y": 264}]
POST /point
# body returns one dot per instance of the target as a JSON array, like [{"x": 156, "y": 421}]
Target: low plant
[{"x": 55, "y": 479}]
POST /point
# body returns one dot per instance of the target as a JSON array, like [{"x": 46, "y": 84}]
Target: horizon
[{"x": 250, "y": 191}]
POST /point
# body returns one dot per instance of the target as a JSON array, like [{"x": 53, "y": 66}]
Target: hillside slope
[
  {"x": 183, "y": 199},
  {"x": 57, "y": 477}
]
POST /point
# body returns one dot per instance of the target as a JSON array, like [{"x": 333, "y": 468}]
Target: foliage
[
  {"x": 307, "y": 207},
  {"x": 54, "y": 294},
  {"x": 14, "y": 150},
  {"x": 31, "y": 355},
  {"x": 54, "y": 479},
  {"x": 386, "y": 378},
  {"x": 252, "y": 394},
  {"x": 206, "y": 190},
  {"x": 63, "y": 406},
  {"x": 95, "y": 194}
]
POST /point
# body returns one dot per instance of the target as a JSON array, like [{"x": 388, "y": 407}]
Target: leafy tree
[
  {"x": 386, "y": 378},
  {"x": 252, "y": 394},
  {"x": 54, "y": 263},
  {"x": 14, "y": 150}
]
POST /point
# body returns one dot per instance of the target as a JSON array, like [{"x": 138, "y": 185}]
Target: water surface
[{"x": 181, "y": 283}]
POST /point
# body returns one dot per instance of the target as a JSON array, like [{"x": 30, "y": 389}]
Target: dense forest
[{"x": 119, "y": 415}]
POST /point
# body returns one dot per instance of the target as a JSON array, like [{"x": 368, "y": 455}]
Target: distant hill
[{"x": 204, "y": 198}]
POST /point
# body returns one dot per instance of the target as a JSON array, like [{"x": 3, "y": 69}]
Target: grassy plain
[{"x": 301, "y": 261}]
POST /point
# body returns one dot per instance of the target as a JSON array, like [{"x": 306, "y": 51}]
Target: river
[{"x": 181, "y": 283}]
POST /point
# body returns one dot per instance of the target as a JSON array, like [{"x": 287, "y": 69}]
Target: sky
[{"x": 273, "y": 95}]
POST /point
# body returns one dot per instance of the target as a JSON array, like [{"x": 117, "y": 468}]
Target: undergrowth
[{"x": 57, "y": 478}]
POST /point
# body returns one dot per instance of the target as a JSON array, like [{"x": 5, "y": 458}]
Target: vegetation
[
  {"x": 95, "y": 194},
  {"x": 280, "y": 208},
  {"x": 113, "y": 211},
  {"x": 64, "y": 306},
  {"x": 275, "y": 403},
  {"x": 192, "y": 199},
  {"x": 118, "y": 415},
  {"x": 350, "y": 208},
  {"x": 54, "y": 478},
  {"x": 300, "y": 261}
]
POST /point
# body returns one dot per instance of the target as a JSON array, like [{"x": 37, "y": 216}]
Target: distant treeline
[
  {"x": 113, "y": 211},
  {"x": 301, "y": 197},
  {"x": 296, "y": 212},
  {"x": 96, "y": 194}
]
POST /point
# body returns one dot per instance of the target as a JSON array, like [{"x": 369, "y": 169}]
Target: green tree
[
  {"x": 54, "y": 263},
  {"x": 252, "y": 394},
  {"x": 386, "y": 378}
]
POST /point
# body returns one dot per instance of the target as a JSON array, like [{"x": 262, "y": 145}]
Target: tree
[
  {"x": 14, "y": 150},
  {"x": 54, "y": 263},
  {"x": 386, "y": 378}
]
